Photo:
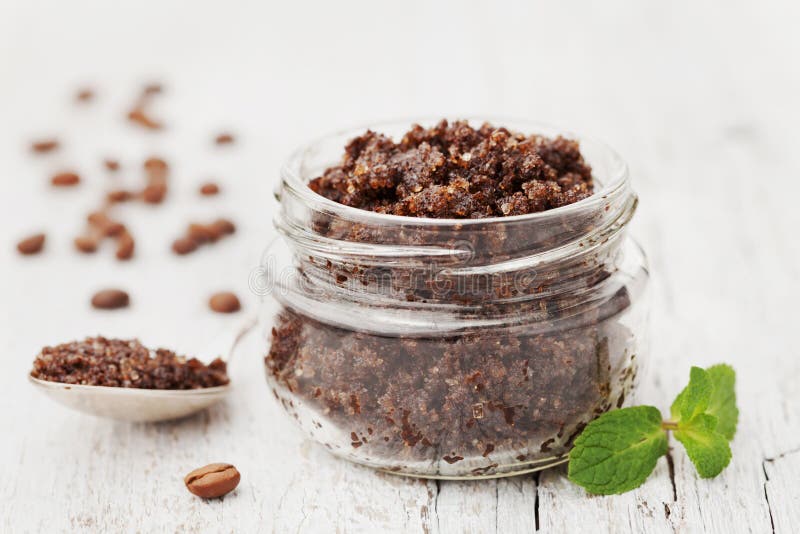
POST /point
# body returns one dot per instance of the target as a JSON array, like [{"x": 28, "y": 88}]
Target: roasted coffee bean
[
  {"x": 198, "y": 234},
  {"x": 111, "y": 164},
  {"x": 84, "y": 95},
  {"x": 104, "y": 224},
  {"x": 216, "y": 232},
  {"x": 65, "y": 179},
  {"x": 184, "y": 245},
  {"x": 156, "y": 189},
  {"x": 86, "y": 244},
  {"x": 152, "y": 89},
  {"x": 224, "y": 302},
  {"x": 224, "y": 139},
  {"x": 31, "y": 245},
  {"x": 209, "y": 189},
  {"x": 125, "y": 246},
  {"x": 119, "y": 195},
  {"x": 155, "y": 165},
  {"x": 154, "y": 193},
  {"x": 45, "y": 145},
  {"x": 110, "y": 299},
  {"x": 212, "y": 481},
  {"x": 225, "y": 226},
  {"x": 202, "y": 233},
  {"x": 138, "y": 116}
]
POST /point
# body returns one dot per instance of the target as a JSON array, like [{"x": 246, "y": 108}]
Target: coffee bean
[
  {"x": 84, "y": 95},
  {"x": 119, "y": 195},
  {"x": 202, "y": 233},
  {"x": 198, "y": 234},
  {"x": 45, "y": 145},
  {"x": 31, "y": 245},
  {"x": 110, "y": 299},
  {"x": 155, "y": 165},
  {"x": 111, "y": 164},
  {"x": 224, "y": 302},
  {"x": 224, "y": 139},
  {"x": 152, "y": 89},
  {"x": 212, "y": 481},
  {"x": 154, "y": 193},
  {"x": 156, "y": 189},
  {"x": 138, "y": 116},
  {"x": 184, "y": 245},
  {"x": 209, "y": 189},
  {"x": 104, "y": 224},
  {"x": 86, "y": 244},
  {"x": 216, "y": 232},
  {"x": 65, "y": 179},
  {"x": 125, "y": 246},
  {"x": 225, "y": 226}
]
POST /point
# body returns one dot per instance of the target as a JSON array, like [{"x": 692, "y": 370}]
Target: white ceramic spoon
[{"x": 142, "y": 405}]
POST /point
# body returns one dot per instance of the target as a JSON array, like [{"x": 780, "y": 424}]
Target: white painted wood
[
  {"x": 700, "y": 98},
  {"x": 781, "y": 490},
  {"x": 565, "y": 507},
  {"x": 504, "y": 505}
]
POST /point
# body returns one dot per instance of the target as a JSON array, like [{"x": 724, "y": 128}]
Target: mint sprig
[
  {"x": 617, "y": 451},
  {"x": 723, "y": 399}
]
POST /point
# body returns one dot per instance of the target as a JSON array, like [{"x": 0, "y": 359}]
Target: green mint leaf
[
  {"x": 723, "y": 399},
  {"x": 707, "y": 449},
  {"x": 617, "y": 451},
  {"x": 694, "y": 398}
]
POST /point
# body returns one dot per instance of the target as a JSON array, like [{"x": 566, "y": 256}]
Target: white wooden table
[{"x": 700, "y": 99}]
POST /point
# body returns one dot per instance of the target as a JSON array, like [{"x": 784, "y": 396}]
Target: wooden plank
[
  {"x": 565, "y": 507},
  {"x": 782, "y": 491},
  {"x": 501, "y": 505}
]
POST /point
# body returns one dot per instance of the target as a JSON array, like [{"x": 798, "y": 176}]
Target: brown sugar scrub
[
  {"x": 125, "y": 363},
  {"x": 462, "y": 300},
  {"x": 457, "y": 171}
]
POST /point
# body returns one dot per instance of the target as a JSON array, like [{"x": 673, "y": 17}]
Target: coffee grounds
[
  {"x": 457, "y": 171},
  {"x": 125, "y": 363},
  {"x": 490, "y": 397}
]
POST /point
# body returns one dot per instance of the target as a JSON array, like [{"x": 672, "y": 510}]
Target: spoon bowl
[
  {"x": 145, "y": 405},
  {"x": 129, "y": 404}
]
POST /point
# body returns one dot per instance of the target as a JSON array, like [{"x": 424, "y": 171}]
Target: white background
[{"x": 699, "y": 97}]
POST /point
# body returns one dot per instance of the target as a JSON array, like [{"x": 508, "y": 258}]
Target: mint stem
[{"x": 669, "y": 425}]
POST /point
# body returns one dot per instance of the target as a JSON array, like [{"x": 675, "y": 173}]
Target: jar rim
[{"x": 291, "y": 177}]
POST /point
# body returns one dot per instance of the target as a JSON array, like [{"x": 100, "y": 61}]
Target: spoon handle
[{"x": 225, "y": 345}]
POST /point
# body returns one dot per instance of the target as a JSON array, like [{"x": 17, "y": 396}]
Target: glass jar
[{"x": 448, "y": 348}]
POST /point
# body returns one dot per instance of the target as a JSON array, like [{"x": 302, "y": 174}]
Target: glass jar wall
[{"x": 453, "y": 348}]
